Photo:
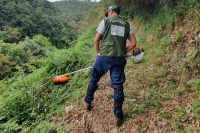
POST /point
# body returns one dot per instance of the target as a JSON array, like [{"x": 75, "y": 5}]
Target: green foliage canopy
[
  {"x": 32, "y": 17},
  {"x": 70, "y": 11}
]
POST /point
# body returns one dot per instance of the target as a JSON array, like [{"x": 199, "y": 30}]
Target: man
[{"x": 113, "y": 33}]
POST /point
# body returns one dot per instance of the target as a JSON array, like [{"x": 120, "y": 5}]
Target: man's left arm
[{"x": 132, "y": 43}]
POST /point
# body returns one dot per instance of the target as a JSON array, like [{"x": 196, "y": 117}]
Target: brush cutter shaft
[{"x": 76, "y": 71}]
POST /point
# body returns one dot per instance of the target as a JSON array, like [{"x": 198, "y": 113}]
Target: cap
[{"x": 110, "y": 8}]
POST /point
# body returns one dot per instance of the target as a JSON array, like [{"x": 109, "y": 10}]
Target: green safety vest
[{"x": 113, "y": 41}]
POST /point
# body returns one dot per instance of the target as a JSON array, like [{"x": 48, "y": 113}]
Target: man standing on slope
[{"x": 113, "y": 33}]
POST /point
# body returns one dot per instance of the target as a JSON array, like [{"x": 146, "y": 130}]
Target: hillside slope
[{"x": 162, "y": 93}]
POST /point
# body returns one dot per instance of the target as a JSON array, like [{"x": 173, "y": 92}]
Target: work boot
[
  {"x": 86, "y": 105},
  {"x": 118, "y": 121}
]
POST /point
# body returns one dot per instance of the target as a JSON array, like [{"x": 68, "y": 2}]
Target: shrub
[{"x": 6, "y": 66}]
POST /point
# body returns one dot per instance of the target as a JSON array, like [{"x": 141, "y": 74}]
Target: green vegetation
[
  {"x": 29, "y": 96},
  {"x": 166, "y": 89},
  {"x": 29, "y": 18},
  {"x": 74, "y": 10}
]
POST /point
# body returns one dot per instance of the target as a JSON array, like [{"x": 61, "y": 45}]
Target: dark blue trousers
[{"x": 101, "y": 66}]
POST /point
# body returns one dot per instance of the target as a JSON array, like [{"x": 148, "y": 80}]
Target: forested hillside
[
  {"x": 74, "y": 10},
  {"x": 162, "y": 93},
  {"x": 28, "y": 18}
]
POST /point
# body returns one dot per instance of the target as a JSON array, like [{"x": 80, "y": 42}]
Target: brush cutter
[
  {"x": 137, "y": 55},
  {"x": 63, "y": 78}
]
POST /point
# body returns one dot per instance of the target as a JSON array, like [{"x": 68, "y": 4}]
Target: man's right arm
[
  {"x": 96, "y": 42},
  {"x": 100, "y": 30}
]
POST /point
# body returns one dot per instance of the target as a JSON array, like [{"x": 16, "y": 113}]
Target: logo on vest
[{"x": 118, "y": 21}]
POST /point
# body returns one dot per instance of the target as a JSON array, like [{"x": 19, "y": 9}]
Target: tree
[
  {"x": 10, "y": 34},
  {"x": 6, "y": 66}
]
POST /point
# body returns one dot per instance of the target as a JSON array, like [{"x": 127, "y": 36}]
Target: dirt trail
[{"x": 99, "y": 119}]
